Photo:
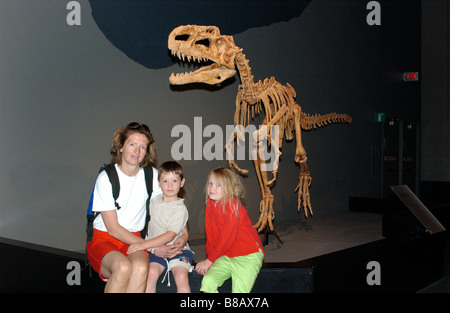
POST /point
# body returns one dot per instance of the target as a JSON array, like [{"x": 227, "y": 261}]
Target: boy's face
[{"x": 170, "y": 184}]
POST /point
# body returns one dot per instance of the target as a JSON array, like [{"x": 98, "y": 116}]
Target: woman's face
[{"x": 134, "y": 149}]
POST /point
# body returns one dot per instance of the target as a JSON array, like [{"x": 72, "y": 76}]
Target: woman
[{"x": 133, "y": 148}]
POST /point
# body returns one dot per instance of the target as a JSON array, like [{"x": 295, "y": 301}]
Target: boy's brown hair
[{"x": 170, "y": 167}]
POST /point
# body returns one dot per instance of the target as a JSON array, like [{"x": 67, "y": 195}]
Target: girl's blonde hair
[{"x": 232, "y": 187}]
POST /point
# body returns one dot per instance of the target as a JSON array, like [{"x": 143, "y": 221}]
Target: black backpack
[{"x": 114, "y": 179}]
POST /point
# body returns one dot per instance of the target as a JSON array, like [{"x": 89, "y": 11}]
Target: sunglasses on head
[{"x": 136, "y": 125}]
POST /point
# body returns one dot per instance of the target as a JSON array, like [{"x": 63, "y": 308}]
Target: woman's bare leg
[
  {"x": 117, "y": 269},
  {"x": 139, "y": 271},
  {"x": 125, "y": 274}
]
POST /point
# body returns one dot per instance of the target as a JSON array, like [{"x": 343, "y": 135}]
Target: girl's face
[
  {"x": 134, "y": 149},
  {"x": 214, "y": 189}
]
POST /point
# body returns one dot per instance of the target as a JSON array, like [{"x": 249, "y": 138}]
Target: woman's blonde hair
[
  {"x": 232, "y": 188},
  {"x": 122, "y": 134}
]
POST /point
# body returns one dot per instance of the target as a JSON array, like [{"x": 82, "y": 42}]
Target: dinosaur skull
[{"x": 203, "y": 43}]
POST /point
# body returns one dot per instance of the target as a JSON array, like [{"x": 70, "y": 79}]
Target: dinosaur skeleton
[{"x": 205, "y": 43}]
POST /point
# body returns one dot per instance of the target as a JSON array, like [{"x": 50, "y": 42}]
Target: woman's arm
[
  {"x": 152, "y": 243},
  {"x": 116, "y": 230}
]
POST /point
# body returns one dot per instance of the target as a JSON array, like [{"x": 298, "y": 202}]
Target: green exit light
[{"x": 380, "y": 117}]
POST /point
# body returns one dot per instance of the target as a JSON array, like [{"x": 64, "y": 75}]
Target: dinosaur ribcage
[{"x": 271, "y": 97}]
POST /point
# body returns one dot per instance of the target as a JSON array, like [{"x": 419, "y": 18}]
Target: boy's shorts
[
  {"x": 102, "y": 243},
  {"x": 184, "y": 259}
]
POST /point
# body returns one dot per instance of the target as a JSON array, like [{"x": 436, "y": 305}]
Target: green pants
[{"x": 243, "y": 271}]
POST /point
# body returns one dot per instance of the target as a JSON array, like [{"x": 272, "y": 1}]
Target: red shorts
[{"x": 102, "y": 243}]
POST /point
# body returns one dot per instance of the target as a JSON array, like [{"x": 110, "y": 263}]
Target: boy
[{"x": 168, "y": 217}]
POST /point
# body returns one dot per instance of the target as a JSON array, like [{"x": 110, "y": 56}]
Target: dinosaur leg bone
[
  {"x": 303, "y": 190},
  {"x": 266, "y": 206},
  {"x": 300, "y": 157},
  {"x": 261, "y": 141}
]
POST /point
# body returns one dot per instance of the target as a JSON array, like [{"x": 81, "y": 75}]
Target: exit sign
[
  {"x": 380, "y": 117},
  {"x": 410, "y": 76}
]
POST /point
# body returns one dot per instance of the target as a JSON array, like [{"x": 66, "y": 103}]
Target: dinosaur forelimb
[
  {"x": 229, "y": 148},
  {"x": 234, "y": 165},
  {"x": 274, "y": 174}
]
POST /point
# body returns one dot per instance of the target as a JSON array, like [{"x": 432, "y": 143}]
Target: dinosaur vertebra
[{"x": 205, "y": 43}]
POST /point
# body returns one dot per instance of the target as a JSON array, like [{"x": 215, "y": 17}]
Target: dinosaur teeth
[
  {"x": 184, "y": 57},
  {"x": 183, "y": 74}
]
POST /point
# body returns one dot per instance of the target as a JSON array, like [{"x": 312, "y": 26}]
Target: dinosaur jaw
[
  {"x": 212, "y": 74},
  {"x": 202, "y": 44}
]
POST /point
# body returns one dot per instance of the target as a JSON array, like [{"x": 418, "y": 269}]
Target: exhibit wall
[
  {"x": 435, "y": 113},
  {"x": 72, "y": 72}
]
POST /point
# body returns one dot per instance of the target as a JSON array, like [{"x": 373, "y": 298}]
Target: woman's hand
[
  {"x": 135, "y": 247},
  {"x": 203, "y": 266}
]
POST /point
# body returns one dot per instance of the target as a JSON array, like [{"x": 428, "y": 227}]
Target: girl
[{"x": 233, "y": 246}]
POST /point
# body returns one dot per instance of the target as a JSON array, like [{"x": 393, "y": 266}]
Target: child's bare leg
[
  {"x": 180, "y": 275},
  {"x": 155, "y": 270}
]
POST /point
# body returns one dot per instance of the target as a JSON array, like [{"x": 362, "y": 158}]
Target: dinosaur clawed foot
[
  {"x": 303, "y": 193},
  {"x": 267, "y": 213}
]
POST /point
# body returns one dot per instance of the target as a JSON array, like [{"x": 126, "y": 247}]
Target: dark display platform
[{"x": 329, "y": 258}]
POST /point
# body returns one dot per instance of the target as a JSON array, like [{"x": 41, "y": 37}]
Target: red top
[{"x": 227, "y": 233}]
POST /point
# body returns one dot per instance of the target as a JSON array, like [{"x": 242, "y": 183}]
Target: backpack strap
[
  {"x": 114, "y": 179},
  {"x": 148, "y": 171},
  {"x": 110, "y": 170}
]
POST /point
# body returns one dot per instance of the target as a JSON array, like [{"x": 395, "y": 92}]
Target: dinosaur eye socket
[
  {"x": 203, "y": 42},
  {"x": 182, "y": 37}
]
